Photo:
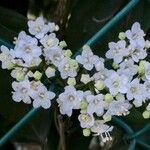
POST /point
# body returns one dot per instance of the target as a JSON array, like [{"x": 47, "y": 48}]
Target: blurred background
[{"x": 78, "y": 21}]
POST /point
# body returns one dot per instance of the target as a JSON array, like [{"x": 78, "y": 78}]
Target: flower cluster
[{"x": 96, "y": 91}]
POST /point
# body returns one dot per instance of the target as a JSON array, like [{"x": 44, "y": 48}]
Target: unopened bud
[
  {"x": 86, "y": 132},
  {"x": 108, "y": 98}
]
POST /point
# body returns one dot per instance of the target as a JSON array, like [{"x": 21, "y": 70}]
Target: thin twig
[{"x": 61, "y": 132}]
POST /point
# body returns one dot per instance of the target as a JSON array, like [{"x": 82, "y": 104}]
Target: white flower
[
  {"x": 26, "y": 48},
  {"x": 55, "y": 55},
  {"x": 101, "y": 129},
  {"x": 86, "y": 120},
  {"x": 21, "y": 91},
  {"x": 50, "y": 72},
  {"x": 49, "y": 41},
  {"x": 68, "y": 68},
  {"x": 38, "y": 27},
  {"x": 135, "y": 90},
  {"x": 42, "y": 97},
  {"x": 116, "y": 83},
  {"x": 136, "y": 52},
  {"x": 117, "y": 51},
  {"x": 7, "y": 58},
  {"x": 103, "y": 74},
  {"x": 147, "y": 70},
  {"x": 96, "y": 104},
  {"x": 87, "y": 58},
  {"x": 119, "y": 107},
  {"x": 70, "y": 99},
  {"x": 135, "y": 35},
  {"x": 100, "y": 65},
  {"x": 128, "y": 68}
]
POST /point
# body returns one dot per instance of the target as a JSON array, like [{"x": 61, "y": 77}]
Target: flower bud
[
  {"x": 122, "y": 36},
  {"x": 85, "y": 78},
  {"x": 62, "y": 44},
  {"x": 10, "y": 66},
  {"x": 107, "y": 117},
  {"x": 50, "y": 72},
  {"x": 83, "y": 105},
  {"x": 108, "y": 98},
  {"x": 71, "y": 81},
  {"x": 99, "y": 85},
  {"x": 115, "y": 65},
  {"x": 37, "y": 75},
  {"x": 141, "y": 68},
  {"x": 73, "y": 64},
  {"x": 146, "y": 114},
  {"x": 67, "y": 53},
  {"x": 20, "y": 75},
  {"x": 147, "y": 44},
  {"x": 86, "y": 132}
]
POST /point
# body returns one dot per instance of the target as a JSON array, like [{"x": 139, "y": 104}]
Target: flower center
[
  {"x": 133, "y": 89},
  {"x": 116, "y": 84},
  {"x": 56, "y": 57},
  {"x": 71, "y": 98},
  {"x": 34, "y": 85},
  {"x": 37, "y": 28},
  {"x": 50, "y": 42},
  {"x": 66, "y": 67},
  {"x": 95, "y": 101},
  {"x": 24, "y": 90},
  {"x": 42, "y": 95},
  {"x": 28, "y": 49},
  {"x": 86, "y": 117}
]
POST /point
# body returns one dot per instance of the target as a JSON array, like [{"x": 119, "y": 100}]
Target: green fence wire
[{"x": 133, "y": 136}]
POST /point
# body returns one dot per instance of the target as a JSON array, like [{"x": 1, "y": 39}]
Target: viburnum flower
[
  {"x": 119, "y": 107},
  {"x": 101, "y": 129},
  {"x": 21, "y": 91},
  {"x": 54, "y": 56},
  {"x": 117, "y": 51},
  {"x": 7, "y": 58},
  {"x": 38, "y": 27},
  {"x": 137, "y": 53},
  {"x": 135, "y": 90},
  {"x": 68, "y": 68},
  {"x": 26, "y": 48},
  {"x": 102, "y": 74},
  {"x": 49, "y": 41},
  {"x": 86, "y": 120},
  {"x": 136, "y": 35},
  {"x": 96, "y": 104},
  {"x": 117, "y": 83},
  {"x": 100, "y": 65},
  {"x": 70, "y": 99},
  {"x": 42, "y": 97},
  {"x": 128, "y": 68},
  {"x": 87, "y": 58}
]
